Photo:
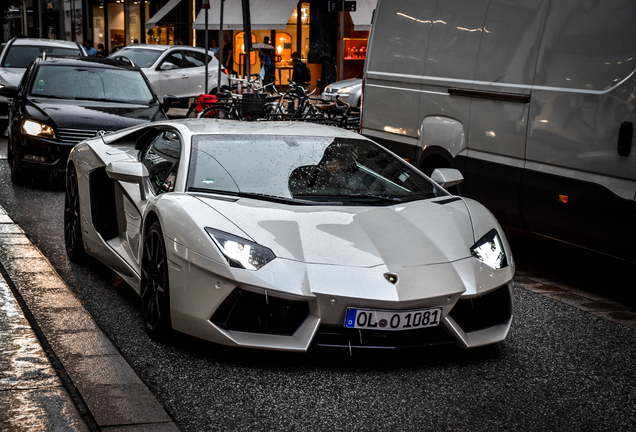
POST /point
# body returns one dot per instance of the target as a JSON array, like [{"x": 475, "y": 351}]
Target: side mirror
[
  {"x": 167, "y": 66},
  {"x": 447, "y": 177},
  {"x": 170, "y": 100},
  {"x": 129, "y": 172},
  {"x": 9, "y": 91}
]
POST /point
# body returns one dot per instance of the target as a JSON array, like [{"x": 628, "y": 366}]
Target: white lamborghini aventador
[{"x": 282, "y": 235}]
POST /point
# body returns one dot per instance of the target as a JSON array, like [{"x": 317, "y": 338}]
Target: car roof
[
  {"x": 160, "y": 47},
  {"x": 232, "y": 127},
  {"x": 100, "y": 62},
  {"x": 44, "y": 42}
]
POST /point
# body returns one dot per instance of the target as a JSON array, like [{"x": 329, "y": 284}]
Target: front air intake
[
  {"x": 485, "y": 311},
  {"x": 259, "y": 313}
]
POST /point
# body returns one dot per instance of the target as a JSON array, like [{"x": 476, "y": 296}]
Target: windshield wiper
[
  {"x": 358, "y": 197},
  {"x": 254, "y": 195}
]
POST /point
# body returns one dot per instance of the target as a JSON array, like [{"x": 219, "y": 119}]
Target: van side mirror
[
  {"x": 447, "y": 177},
  {"x": 129, "y": 172}
]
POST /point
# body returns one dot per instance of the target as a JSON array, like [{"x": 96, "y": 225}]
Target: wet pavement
[{"x": 58, "y": 370}]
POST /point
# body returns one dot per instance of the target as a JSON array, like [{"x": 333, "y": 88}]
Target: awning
[
  {"x": 265, "y": 14},
  {"x": 362, "y": 16},
  {"x": 152, "y": 22}
]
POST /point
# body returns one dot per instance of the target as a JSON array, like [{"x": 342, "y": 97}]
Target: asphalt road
[{"x": 559, "y": 369}]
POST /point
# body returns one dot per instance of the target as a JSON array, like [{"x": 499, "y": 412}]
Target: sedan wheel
[
  {"x": 155, "y": 297},
  {"x": 72, "y": 222}
]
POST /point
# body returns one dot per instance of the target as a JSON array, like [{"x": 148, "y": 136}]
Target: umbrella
[{"x": 261, "y": 45}]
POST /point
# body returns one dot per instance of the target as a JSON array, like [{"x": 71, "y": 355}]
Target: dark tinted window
[
  {"x": 20, "y": 56},
  {"x": 195, "y": 59},
  {"x": 88, "y": 83},
  {"x": 176, "y": 58}
]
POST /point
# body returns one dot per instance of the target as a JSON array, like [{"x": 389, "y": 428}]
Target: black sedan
[{"x": 62, "y": 101}]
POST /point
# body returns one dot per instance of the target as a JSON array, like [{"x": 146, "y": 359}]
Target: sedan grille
[{"x": 75, "y": 135}]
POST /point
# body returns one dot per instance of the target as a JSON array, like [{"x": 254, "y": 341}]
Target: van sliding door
[{"x": 500, "y": 104}]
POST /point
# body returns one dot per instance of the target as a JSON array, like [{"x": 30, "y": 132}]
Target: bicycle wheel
[{"x": 215, "y": 112}]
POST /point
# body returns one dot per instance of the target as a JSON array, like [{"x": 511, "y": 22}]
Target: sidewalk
[{"x": 58, "y": 370}]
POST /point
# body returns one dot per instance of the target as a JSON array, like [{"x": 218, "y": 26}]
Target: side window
[
  {"x": 176, "y": 58},
  {"x": 195, "y": 59},
  {"x": 161, "y": 158}
]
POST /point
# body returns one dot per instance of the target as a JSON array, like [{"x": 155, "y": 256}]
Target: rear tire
[
  {"x": 72, "y": 219},
  {"x": 155, "y": 293}
]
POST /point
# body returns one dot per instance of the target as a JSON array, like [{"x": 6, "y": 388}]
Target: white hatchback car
[{"x": 177, "y": 70}]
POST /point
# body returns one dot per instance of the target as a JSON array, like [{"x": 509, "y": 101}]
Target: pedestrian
[
  {"x": 88, "y": 45},
  {"x": 301, "y": 73},
  {"x": 214, "y": 47},
  {"x": 228, "y": 61},
  {"x": 136, "y": 41},
  {"x": 101, "y": 52},
  {"x": 266, "y": 66}
]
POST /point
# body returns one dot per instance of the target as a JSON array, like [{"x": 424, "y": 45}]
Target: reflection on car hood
[
  {"x": 412, "y": 234},
  {"x": 11, "y": 76},
  {"x": 77, "y": 114}
]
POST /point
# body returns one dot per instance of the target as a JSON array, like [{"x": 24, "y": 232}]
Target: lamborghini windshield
[{"x": 317, "y": 169}]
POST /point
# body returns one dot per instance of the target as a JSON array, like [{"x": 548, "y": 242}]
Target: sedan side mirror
[
  {"x": 167, "y": 66},
  {"x": 9, "y": 91},
  {"x": 447, "y": 177},
  {"x": 129, "y": 172},
  {"x": 170, "y": 100}
]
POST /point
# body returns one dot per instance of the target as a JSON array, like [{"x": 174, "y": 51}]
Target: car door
[
  {"x": 172, "y": 76},
  {"x": 196, "y": 71},
  {"x": 161, "y": 159}
]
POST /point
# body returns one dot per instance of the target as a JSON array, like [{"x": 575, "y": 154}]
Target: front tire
[
  {"x": 72, "y": 219},
  {"x": 155, "y": 294}
]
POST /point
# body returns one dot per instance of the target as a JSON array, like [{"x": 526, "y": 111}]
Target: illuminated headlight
[
  {"x": 347, "y": 90},
  {"x": 490, "y": 251},
  {"x": 241, "y": 252},
  {"x": 34, "y": 128}
]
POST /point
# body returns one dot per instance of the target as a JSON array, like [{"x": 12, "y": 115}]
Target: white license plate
[{"x": 392, "y": 320}]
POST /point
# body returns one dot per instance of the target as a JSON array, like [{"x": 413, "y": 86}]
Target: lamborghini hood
[{"x": 412, "y": 234}]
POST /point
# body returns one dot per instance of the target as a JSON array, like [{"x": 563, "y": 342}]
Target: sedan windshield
[
  {"x": 20, "y": 56},
  {"x": 317, "y": 169},
  {"x": 89, "y": 83},
  {"x": 143, "y": 58}
]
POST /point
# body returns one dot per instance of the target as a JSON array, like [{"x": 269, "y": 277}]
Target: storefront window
[
  {"x": 133, "y": 21},
  {"x": 99, "y": 26},
  {"x": 239, "y": 51},
  {"x": 116, "y": 24}
]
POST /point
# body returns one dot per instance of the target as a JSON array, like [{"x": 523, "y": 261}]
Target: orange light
[{"x": 563, "y": 199}]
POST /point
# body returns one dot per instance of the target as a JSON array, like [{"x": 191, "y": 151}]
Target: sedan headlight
[
  {"x": 34, "y": 128},
  {"x": 240, "y": 252},
  {"x": 347, "y": 90},
  {"x": 490, "y": 251}
]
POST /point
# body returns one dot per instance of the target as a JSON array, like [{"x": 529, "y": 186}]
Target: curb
[{"x": 105, "y": 384}]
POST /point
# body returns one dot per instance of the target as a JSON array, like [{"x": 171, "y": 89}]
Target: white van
[{"x": 532, "y": 100}]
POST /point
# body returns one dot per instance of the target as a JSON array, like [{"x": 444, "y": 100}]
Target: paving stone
[
  {"x": 53, "y": 321},
  {"x": 10, "y": 229},
  {"x": 95, "y": 343},
  {"x": 123, "y": 405},
  {"x": 154, "y": 427},
  {"x": 109, "y": 370},
  {"x": 18, "y": 266}
]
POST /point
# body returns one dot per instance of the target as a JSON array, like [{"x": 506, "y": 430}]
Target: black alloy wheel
[
  {"x": 155, "y": 295},
  {"x": 72, "y": 219}
]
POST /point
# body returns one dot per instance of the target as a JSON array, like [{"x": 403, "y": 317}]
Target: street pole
[
  {"x": 247, "y": 27},
  {"x": 218, "y": 81},
  {"x": 342, "y": 39},
  {"x": 205, "y": 4}
]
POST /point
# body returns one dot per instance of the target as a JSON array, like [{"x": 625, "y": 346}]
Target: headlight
[
  {"x": 489, "y": 250},
  {"x": 241, "y": 252},
  {"x": 34, "y": 128},
  {"x": 347, "y": 89}
]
